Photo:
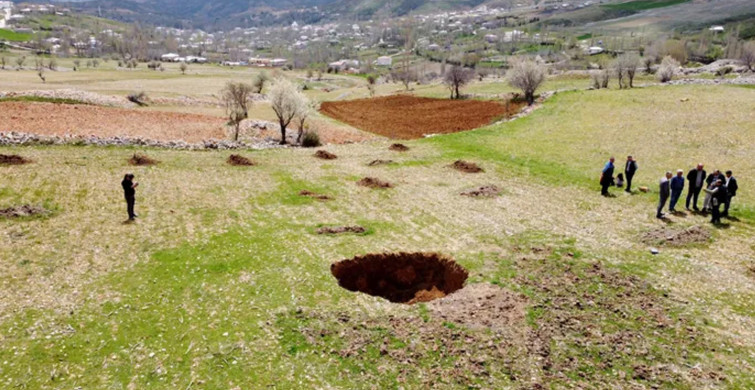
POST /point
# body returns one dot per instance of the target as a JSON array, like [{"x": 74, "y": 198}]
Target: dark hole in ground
[
  {"x": 466, "y": 166},
  {"x": 239, "y": 160},
  {"x": 314, "y": 195},
  {"x": 22, "y": 211},
  {"x": 401, "y": 277},
  {"x": 340, "y": 229},
  {"x": 325, "y": 155},
  {"x": 13, "y": 159},
  {"x": 140, "y": 159},
  {"x": 398, "y": 148},
  {"x": 372, "y": 182}
]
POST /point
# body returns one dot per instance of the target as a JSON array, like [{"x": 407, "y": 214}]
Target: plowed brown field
[{"x": 409, "y": 117}]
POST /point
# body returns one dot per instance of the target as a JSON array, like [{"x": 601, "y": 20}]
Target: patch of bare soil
[
  {"x": 379, "y": 162},
  {"x": 410, "y": 117},
  {"x": 84, "y": 120},
  {"x": 325, "y": 155},
  {"x": 13, "y": 159},
  {"x": 314, "y": 195},
  {"x": 140, "y": 159},
  {"x": 239, "y": 160},
  {"x": 372, "y": 182},
  {"x": 398, "y": 148},
  {"x": 22, "y": 211},
  {"x": 481, "y": 306},
  {"x": 401, "y": 277},
  {"x": 466, "y": 166},
  {"x": 341, "y": 229},
  {"x": 487, "y": 191},
  {"x": 674, "y": 237}
]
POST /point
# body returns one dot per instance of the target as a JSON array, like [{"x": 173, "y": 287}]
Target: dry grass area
[
  {"x": 224, "y": 273},
  {"x": 409, "y": 117}
]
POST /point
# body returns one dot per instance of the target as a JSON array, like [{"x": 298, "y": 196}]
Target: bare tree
[
  {"x": 53, "y": 64},
  {"x": 41, "y": 74},
  {"x": 286, "y": 101},
  {"x": 2, "y": 62},
  {"x": 626, "y": 64},
  {"x": 527, "y": 76},
  {"x": 76, "y": 64},
  {"x": 619, "y": 68},
  {"x": 20, "y": 62},
  {"x": 183, "y": 67},
  {"x": 748, "y": 55},
  {"x": 457, "y": 77},
  {"x": 371, "y": 80},
  {"x": 668, "y": 68},
  {"x": 235, "y": 98},
  {"x": 259, "y": 81}
]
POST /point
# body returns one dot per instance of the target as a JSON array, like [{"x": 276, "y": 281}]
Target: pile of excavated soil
[
  {"x": 379, "y": 162},
  {"x": 239, "y": 160},
  {"x": 341, "y": 229},
  {"x": 410, "y": 117},
  {"x": 22, "y": 211},
  {"x": 13, "y": 159},
  {"x": 482, "y": 305},
  {"x": 314, "y": 195},
  {"x": 487, "y": 191},
  {"x": 401, "y": 277},
  {"x": 674, "y": 237},
  {"x": 325, "y": 155},
  {"x": 398, "y": 148},
  {"x": 372, "y": 182},
  {"x": 140, "y": 159},
  {"x": 466, "y": 166}
]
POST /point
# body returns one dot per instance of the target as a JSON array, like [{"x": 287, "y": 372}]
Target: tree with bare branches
[
  {"x": 748, "y": 55},
  {"x": 286, "y": 101},
  {"x": 236, "y": 99},
  {"x": 457, "y": 77},
  {"x": 668, "y": 69},
  {"x": 526, "y": 75}
]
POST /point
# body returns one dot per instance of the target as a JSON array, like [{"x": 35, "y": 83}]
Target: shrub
[
  {"x": 668, "y": 68},
  {"x": 723, "y": 71},
  {"x": 311, "y": 140},
  {"x": 140, "y": 98}
]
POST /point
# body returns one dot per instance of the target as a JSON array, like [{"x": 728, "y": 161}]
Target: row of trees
[
  {"x": 526, "y": 75},
  {"x": 286, "y": 100}
]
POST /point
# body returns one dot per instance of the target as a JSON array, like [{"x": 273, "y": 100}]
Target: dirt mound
[
  {"x": 401, "y": 277},
  {"x": 314, "y": 195},
  {"x": 481, "y": 306},
  {"x": 411, "y": 117},
  {"x": 466, "y": 166},
  {"x": 13, "y": 159},
  {"x": 380, "y": 162},
  {"x": 398, "y": 148},
  {"x": 22, "y": 211},
  {"x": 239, "y": 160},
  {"x": 325, "y": 155},
  {"x": 341, "y": 229},
  {"x": 673, "y": 237},
  {"x": 140, "y": 159},
  {"x": 372, "y": 182},
  {"x": 487, "y": 191}
]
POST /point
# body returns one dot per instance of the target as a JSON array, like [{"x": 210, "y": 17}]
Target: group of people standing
[{"x": 719, "y": 188}]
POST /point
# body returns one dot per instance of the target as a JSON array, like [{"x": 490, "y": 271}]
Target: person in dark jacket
[
  {"x": 129, "y": 191},
  {"x": 665, "y": 193},
  {"x": 677, "y": 186},
  {"x": 731, "y": 190},
  {"x": 606, "y": 177},
  {"x": 696, "y": 179},
  {"x": 720, "y": 195},
  {"x": 629, "y": 169}
]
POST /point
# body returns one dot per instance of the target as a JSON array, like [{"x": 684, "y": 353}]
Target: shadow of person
[
  {"x": 128, "y": 222},
  {"x": 733, "y": 219},
  {"x": 721, "y": 226},
  {"x": 680, "y": 214}
]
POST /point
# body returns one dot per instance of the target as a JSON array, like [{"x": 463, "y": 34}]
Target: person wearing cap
[
  {"x": 677, "y": 186},
  {"x": 129, "y": 191},
  {"x": 731, "y": 190},
  {"x": 665, "y": 192}
]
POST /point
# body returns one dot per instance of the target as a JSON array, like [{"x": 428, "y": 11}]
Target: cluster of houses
[
  {"x": 173, "y": 57},
  {"x": 10, "y": 13}
]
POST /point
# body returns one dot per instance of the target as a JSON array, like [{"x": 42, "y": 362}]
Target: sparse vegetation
[
  {"x": 668, "y": 69},
  {"x": 139, "y": 98},
  {"x": 287, "y": 102},
  {"x": 456, "y": 78},
  {"x": 527, "y": 76},
  {"x": 235, "y": 96}
]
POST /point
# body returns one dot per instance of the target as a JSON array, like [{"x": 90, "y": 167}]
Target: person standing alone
[
  {"x": 629, "y": 169},
  {"x": 731, "y": 191},
  {"x": 606, "y": 177},
  {"x": 129, "y": 191},
  {"x": 665, "y": 192},
  {"x": 677, "y": 186},
  {"x": 696, "y": 179}
]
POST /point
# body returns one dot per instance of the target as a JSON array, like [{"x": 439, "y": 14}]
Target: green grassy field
[
  {"x": 222, "y": 282},
  {"x": 12, "y": 36}
]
